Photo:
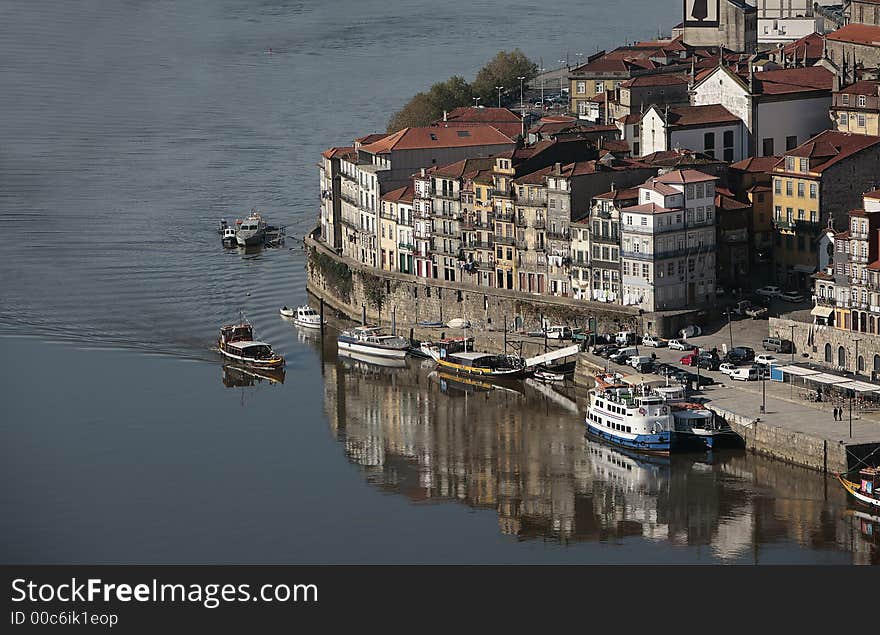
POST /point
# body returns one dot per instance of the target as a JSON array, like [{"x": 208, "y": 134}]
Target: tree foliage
[{"x": 502, "y": 70}]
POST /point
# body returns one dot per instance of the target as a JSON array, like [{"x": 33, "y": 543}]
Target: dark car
[
  {"x": 709, "y": 363},
  {"x": 739, "y": 355},
  {"x": 704, "y": 380}
]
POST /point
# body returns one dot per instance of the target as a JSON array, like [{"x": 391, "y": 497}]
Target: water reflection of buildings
[{"x": 525, "y": 457}]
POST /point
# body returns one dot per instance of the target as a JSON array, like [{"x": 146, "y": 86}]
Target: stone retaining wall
[{"x": 354, "y": 290}]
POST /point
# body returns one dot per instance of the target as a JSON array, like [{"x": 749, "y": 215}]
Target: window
[
  {"x": 581, "y": 88},
  {"x": 845, "y": 99},
  {"x": 646, "y": 271},
  {"x": 788, "y": 188},
  {"x": 728, "y": 145},
  {"x": 778, "y": 213},
  {"x": 861, "y": 120},
  {"x": 600, "y": 87},
  {"x": 800, "y": 189},
  {"x": 863, "y": 101},
  {"x": 813, "y": 190},
  {"x": 805, "y": 165},
  {"x": 790, "y": 143},
  {"x": 709, "y": 144},
  {"x": 843, "y": 119},
  {"x": 767, "y": 147},
  {"x": 789, "y": 164},
  {"x": 777, "y": 186}
]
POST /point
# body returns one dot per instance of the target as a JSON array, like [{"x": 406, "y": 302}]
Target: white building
[
  {"x": 711, "y": 129},
  {"x": 668, "y": 242},
  {"x": 780, "y": 108},
  {"x": 781, "y": 21}
]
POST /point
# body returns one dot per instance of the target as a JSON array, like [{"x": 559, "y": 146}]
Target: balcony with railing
[
  {"x": 485, "y": 265},
  {"x": 504, "y": 240},
  {"x": 558, "y": 234},
  {"x": 540, "y": 223},
  {"x": 406, "y": 246},
  {"x": 824, "y": 301},
  {"x": 796, "y": 225},
  {"x": 520, "y": 221}
]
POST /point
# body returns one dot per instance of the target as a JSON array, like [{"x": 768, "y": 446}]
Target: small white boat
[
  {"x": 546, "y": 375},
  {"x": 369, "y": 340},
  {"x": 285, "y": 311},
  {"x": 307, "y": 317},
  {"x": 458, "y": 323},
  {"x": 229, "y": 237}
]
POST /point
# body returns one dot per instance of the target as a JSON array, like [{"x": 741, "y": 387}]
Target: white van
[
  {"x": 624, "y": 353},
  {"x": 745, "y": 374},
  {"x": 640, "y": 360},
  {"x": 625, "y": 337}
]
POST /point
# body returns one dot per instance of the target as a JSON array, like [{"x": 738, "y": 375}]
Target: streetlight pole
[
  {"x": 541, "y": 70},
  {"x": 499, "y": 89},
  {"x": 561, "y": 76},
  {"x": 850, "y": 411},
  {"x": 792, "y": 343},
  {"x": 522, "y": 107},
  {"x": 730, "y": 327}
]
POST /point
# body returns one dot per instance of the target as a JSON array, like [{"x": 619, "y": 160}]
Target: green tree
[
  {"x": 503, "y": 70},
  {"x": 425, "y": 108}
]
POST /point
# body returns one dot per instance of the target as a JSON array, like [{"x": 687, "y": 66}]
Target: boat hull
[
  {"x": 276, "y": 362},
  {"x": 249, "y": 240},
  {"x": 484, "y": 373},
  {"x": 306, "y": 325},
  {"x": 661, "y": 443},
  {"x": 853, "y": 489},
  {"x": 372, "y": 351}
]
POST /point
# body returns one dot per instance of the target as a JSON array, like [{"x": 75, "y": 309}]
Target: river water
[{"x": 127, "y": 130}]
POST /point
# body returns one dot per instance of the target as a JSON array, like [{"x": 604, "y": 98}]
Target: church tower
[{"x": 731, "y": 24}]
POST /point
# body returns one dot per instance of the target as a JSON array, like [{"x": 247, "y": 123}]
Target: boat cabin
[
  {"x": 870, "y": 481},
  {"x": 482, "y": 360},
  {"x": 236, "y": 333},
  {"x": 252, "y": 350}
]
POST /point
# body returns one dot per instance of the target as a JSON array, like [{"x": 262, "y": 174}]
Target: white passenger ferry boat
[{"x": 637, "y": 421}]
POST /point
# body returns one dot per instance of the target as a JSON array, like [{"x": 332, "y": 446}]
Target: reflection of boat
[
  {"x": 369, "y": 340},
  {"x": 866, "y": 491},
  {"x": 868, "y": 524},
  {"x": 467, "y": 384},
  {"x": 238, "y": 376},
  {"x": 251, "y": 231},
  {"x": 483, "y": 365},
  {"x": 237, "y": 343},
  {"x": 387, "y": 362}
]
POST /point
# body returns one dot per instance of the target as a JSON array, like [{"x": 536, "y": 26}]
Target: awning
[
  {"x": 822, "y": 311},
  {"x": 859, "y": 386},
  {"x": 825, "y": 378},
  {"x": 799, "y": 371}
]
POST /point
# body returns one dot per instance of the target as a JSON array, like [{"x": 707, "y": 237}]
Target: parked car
[
  {"x": 791, "y": 296},
  {"x": 727, "y": 368},
  {"x": 766, "y": 359},
  {"x": 625, "y": 337},
  {"x": 745, "y": 374},
  {"x": 689, "y": 360},
  {"x": 709, "y": 363},
  {"x": 769, "y": 291},
  {"x": 641, "y": 362},
  {"x": 777, "y": 345},
  {"x": 745, "y": 308},
  {"x": 656, "y": 342},
  {"x": 607, "y": 350},
  {"x": 739, "y": 355},
  {"x": 623, "y": 355},
  {"x": 680, "y": 345}
]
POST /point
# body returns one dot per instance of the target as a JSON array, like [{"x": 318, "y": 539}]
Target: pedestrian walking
[{"x": 835, "y": 413}]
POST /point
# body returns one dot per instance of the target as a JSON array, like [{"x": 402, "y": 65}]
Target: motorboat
[
  {"x": 451, "y": 344},
  {"x": 458, "y": 323},
  {"x": 306, "y": 317},
  {"x": 238, "y": 344},
  {"x": 251, "y": 231},
  {"x": 287, "y": 312},
  {"x": 228, "y": 237},
  {"x": 370, "y": 340},
  {"x": 547, "y": 375}
]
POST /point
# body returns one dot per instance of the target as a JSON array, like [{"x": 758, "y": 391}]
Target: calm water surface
[{"x": 127, "y": 130}]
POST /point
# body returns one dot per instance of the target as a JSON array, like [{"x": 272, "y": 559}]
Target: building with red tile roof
[
  {"x": 854, "y": 45},
  {"x": 710, "y": 128}
]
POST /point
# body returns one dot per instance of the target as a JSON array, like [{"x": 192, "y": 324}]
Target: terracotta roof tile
[
  {"x": 756, "y": 164},
  {"x": 685, "y": 176},
  {"x": 708, "y": 115},
  {"x": 865, "y": 34},
  {"x": 828, "y": 148},
  {"x": 864, "y": 87},
  {"x": 649, "y": 208},
  {"x": 438, "y": 137},
  {"x": 400, "y": 195}
]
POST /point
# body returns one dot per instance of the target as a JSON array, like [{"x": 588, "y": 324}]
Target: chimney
[
  {"x": 423, "y": 171},
  {"x": 557, "y": 168},
  {"x": 444, "y": 116}
]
